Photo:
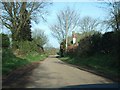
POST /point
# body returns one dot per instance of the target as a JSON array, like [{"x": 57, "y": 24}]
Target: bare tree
[
  {"x": 58, "y": 33},
  {"x": 12, "y": 14},
  {"x": 39, "y": 37},
  {"x": 113, "y": 18},
  {"x": 115, "y": 15},
  {"x": 67, "y": 20},
  {"x": 88, "y": 24}
]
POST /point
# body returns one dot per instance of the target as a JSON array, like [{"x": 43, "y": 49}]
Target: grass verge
[
  {"x": 100, "y": 63},
  {"x": 34, "y": 56},
  {"x": 10, "y": 62}
]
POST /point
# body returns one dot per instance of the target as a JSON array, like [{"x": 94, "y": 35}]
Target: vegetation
[
  {"x": 113, "y": 19},
  {"x": 67, "y": 20},
  {"x": 23, "y": 53},
  {"x": 34, "y": 56},
  {"x": 6, "y": 42},
  {"x": 17, "y": 18},
  {"x": 25, "y": 31},
  {"x": 39, "y": 37},
  {"x": 101, "y": 63},
  {"x": 11, "y": 62},
  {"x": 17, "y": 14},
  {"x": 88, "y": 24},
  {"x": 51, "y": 50},
  {"x": 24, "y": 47},
  {"x": 93, "y": 49},
  {"x": 97, "y": 51}
]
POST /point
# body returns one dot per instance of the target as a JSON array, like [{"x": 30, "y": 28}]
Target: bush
[
  {"x": 10, "y": 62},
  {"x": 107, "y": 42},
  {"x": 25, "y": 47},
  {"x": 116, "y": 42},
  {"x": 85, "y": 46},
  {"x": 6, "y": 53},
  {"x": 90, "y": 45},
  {"x": 96, "y": 42},
  {"x": 116, "y": 47},
  {"x": 5, "y": 41},
  {"x": 62, "y": 48}
]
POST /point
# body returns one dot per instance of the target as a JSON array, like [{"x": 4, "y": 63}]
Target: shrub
[
  {"x": 115, "y": 42},
  {"x": 107, "y": 42},
  {"x": 116, "y": 47},
  {"x": 89, "y": 45},
  {"x": 84, "y": 48},
  {"x": 96, "y": 42},
  {"x": 6, "y": 53},
  {"x": 62, "y": 48},
  {"x": 10, "y": 62},
  {"x": 5, "y": 41},
  {"x": 25, "y": 47}
]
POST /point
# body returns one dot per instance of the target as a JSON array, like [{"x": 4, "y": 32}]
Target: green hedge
[
  {"x": 25, "y": 47},
  {"x": 5, "y": 41}
]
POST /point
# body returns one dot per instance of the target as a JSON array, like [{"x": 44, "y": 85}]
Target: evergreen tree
[{"x": 25, "y": 32}]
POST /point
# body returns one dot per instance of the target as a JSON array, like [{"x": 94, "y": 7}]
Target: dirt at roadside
[{"x": 17, "y": 73}]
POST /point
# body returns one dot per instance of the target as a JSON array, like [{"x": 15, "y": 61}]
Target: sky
[
  {"x": 91, "y": 9},
  {"x": 85, "y": 8}
]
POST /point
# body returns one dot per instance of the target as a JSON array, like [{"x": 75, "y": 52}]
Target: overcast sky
[{"x": 91, "y": 9}]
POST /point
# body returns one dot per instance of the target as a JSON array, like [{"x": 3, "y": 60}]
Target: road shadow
[
  {"x": 60, "y": 62},
  {"x": 53, "y": 56},
  {"x": 14, "y": 78},
  {"x": 91, "y": 70},
  {"x": 21, "y": 80}
]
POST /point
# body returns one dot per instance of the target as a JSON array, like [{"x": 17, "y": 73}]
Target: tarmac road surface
[{"x": 53, "y": 73}]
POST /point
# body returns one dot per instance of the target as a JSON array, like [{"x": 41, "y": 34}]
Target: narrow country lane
[{"x": 53, "y": 73}]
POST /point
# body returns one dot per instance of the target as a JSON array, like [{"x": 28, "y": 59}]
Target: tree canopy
[
  {"x": 113, "y": 20},
  {"x": 13, "y": 12}
]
